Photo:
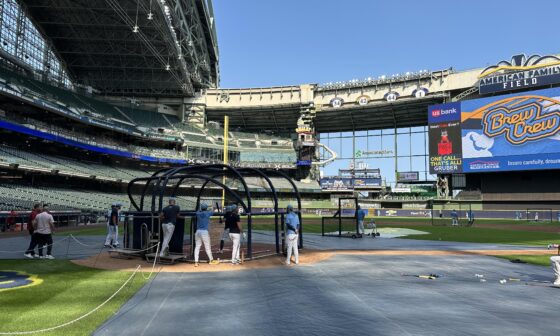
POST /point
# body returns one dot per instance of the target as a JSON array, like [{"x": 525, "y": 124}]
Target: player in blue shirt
[
  {"x": 361, "y": 214},
  {"x": 292, "y": 234},
  {"x": 202, "y": 236},
  {"x": 454, "y": 218}
]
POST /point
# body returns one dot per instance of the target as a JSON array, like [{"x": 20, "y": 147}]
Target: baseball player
[
  {"x": 168, "y": 218},
  {"x": 361, "y": 214},
  {"x": 233, "y": 226},
  {"x": 555, "y": 262},
  {"x": 225, "y": 234},
  {"x": 292, "y": 230},
  {"x": 454, "y": 218},
  {"x": 112, "y": 239},
  {"x": 201, "y": 235}
]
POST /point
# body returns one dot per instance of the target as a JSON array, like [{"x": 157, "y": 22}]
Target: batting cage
[
  {"x": 344, "y": 223},
  {"x": 219, "y": 187},
  {"x": 445, "y": 213}
]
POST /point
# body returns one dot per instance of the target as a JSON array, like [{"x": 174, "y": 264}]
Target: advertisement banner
[
  {"x": 519, "y": 131},
  {"x": 348, "y": 183},
  {"x": 407, "y": 176},
  {"x": 336, "y": 183},
  {"x": 367, "y": 182},
  {"x": 445, "y": 148},
  {"x": 513, "y": 132}
]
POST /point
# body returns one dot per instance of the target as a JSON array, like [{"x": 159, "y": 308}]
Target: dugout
[{"x": 193, "y": 185}]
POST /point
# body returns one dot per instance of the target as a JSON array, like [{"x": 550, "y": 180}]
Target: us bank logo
[
  {"x": 522, "y": 120},
  {"x": 10, "y": 280},
  {"x": 444, "y": 112}
]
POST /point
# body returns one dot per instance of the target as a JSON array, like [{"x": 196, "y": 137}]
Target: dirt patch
[{"x": 307, "y": 257}]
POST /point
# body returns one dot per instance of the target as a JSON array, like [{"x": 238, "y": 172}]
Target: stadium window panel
[
  {"x": 403, "y": 144},
  {"x": 374, "y": 143},
  {"x": 347, "y": 148},
  {"x": 387, "y": 167},
  {"x": 403, "y": 130},
  {"x": 418, "y": 164},
  {"x": 388, "y": 131},
  {"x": 374, "y": 132},
  {"x": 404, "y": 163},
  {"x": 417, "y": 140},
  {"x": 361, "y": 133},
  {"x": 387, "y": 143}
]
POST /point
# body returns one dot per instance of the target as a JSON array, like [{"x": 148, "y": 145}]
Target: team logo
[
  {"x": 522, "y": 119},
  {"x": 16, "y": 280},
  {"x": 337, "y": 102},
  {"x": 521, "y": 63}
]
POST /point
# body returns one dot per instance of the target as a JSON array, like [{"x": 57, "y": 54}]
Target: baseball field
[{"x": 91, "y": 300}]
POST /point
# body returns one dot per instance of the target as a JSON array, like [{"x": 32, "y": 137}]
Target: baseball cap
[{"x": 204, "y": 206}]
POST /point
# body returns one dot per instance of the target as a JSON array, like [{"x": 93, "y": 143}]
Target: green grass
[
  {"x": 485, "y": 235},
  {"x": 541, "y": 260},
  {"x": 89, "y": 231},
  {"x": 460, "y": 234},
  {"x": 67, "y": 292}
]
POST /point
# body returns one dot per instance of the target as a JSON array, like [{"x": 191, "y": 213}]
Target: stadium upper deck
[{"x": 396, "y": 101}]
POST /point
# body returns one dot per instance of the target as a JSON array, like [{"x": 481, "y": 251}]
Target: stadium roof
[{"x": 127, "y": 47}]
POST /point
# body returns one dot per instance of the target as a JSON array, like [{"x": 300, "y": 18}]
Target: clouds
[{"x": 477, "y": 145}]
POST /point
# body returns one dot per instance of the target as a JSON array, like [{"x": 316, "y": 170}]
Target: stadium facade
[{"x": 96, "y": 93}]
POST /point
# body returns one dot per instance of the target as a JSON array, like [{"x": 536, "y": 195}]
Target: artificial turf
[
  {"x": 67, "y": 292},
  {"x": 541, "y": 260}
]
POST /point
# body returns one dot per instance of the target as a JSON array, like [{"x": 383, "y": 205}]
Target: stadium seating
[{"x": 25, "y": 158}]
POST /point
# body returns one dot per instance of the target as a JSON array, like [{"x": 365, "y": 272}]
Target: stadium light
[
  {"x": 135, "y": 29},
  {"x": 167, "y": 67},
  {"x": 150, "y": 16}
]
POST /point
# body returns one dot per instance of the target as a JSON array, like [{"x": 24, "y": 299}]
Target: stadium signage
[
  {"x": 520, "y": 73},
  {"x": 391, "y": 96},
  {"x": 420, "y": 92},
  {"x": 521, "y": 124},
  {"x": 337, "y": 102},
  {"x": 363, "y": 100},
  {"x": 514, "y": 132},
  {"x": 10, "y": 280},
  {"x": 407, "y": 176}
]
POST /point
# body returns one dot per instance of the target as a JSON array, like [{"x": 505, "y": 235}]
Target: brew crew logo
[
  {"x": 15, "y": 280},
  {"x": 522, "y": 119}
]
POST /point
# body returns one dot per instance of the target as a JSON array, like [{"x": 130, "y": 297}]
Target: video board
[{"x": 504, "y": 133}]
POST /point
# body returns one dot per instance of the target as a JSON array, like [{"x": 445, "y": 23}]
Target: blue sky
[{"x": 284, "y": 42}]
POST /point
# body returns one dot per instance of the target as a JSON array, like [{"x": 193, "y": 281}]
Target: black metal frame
[
  {"x": 338, "y": 215},
  {"x": 211, "y": 174}
]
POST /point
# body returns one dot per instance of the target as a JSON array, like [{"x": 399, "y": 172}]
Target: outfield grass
[
  {"x": 541, "y": 260},
  {"x": 485, "y": 235},
  {"x": 67, "y": 292}
]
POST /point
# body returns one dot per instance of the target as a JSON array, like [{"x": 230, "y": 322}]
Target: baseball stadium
[{"x": 140, "y": 197}]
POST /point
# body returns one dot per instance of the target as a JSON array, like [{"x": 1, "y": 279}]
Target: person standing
[
  {"x": 361, "y": 214},
  {"x": 44, "y": 228},
  {"x": 555, "y": 262},
  {"x": 112, "y": 239},
  {"x": 225, "y": 234},
  {"x": 202, "y": 236},
  {"x": 454, "y": 218},
  {"x": 30, "y": 253},
  {"x": 168, "y": 217},
  {"x": 233, "y": 225},
  {"x": 292, "y": 230}
]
